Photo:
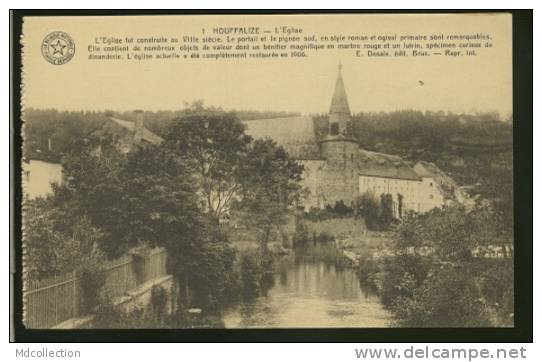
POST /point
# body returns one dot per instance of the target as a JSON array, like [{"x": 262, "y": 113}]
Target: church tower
[{"x": 340, "y": 150}]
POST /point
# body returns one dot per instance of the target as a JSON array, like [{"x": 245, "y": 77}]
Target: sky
[{"x": 305, "y": 85}]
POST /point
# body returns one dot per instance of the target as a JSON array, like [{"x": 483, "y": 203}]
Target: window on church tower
[{"x": 334, "y": 129}]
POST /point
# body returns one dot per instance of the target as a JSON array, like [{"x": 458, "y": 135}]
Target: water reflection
[{"x": 312, "y": 289}]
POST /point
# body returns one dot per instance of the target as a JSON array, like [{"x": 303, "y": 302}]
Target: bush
[
  {"x": 91, "y": 296},
  {"x": 398, "y": 277},
  {"x": 301, "y": 234},
  {"x": 385, "y": 216},
  {"x": 378, "y": 214},
  {"x": 213, "y": 279},
  {"x": 57, "y": 240},
  {"x": 114, "y": 317},
  {"x": 367, "y": 206},
  {"x": 449, "y": 297},
  {"x": 159, "y": 297},
  {"x": 341, "y": 209},
  {"x": 433, "y": 279}
]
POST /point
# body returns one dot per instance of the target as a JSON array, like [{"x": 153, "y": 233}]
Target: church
[{"x": 337, "y": 168}]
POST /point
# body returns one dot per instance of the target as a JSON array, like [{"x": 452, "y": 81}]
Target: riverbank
[{"x": 311, "y": 288}]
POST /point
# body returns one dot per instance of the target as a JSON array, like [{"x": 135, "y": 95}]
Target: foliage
[
  {"x": 448, "y": 297},
  {"x": 441, "y": 273},
  {"x": 367, "y": 206},
  {"x": 92, "y": 189},
  {"x": 386, "y": 210},
  {"x": 92, "y": 281},
  {"x": 109, "y": 316},
  {"x": 214, "y": 145},
  {"x": 426, "y": 135},
  {"x": 251, "y": 274},
  {"x": 210, "y": 274},
  {"x": 341, "y": 210},
  {"x": 148, "y": 197},
  {"x": 159, "y": 298},
  {"x": 367, "y": 270},
  {"x": 301, "y": 233},
  {"x": 378, "y": 214},
  {"x": 55, "y": 241},
  {"x": 266, "y": 260},
  {"x": 398, "y": 277},
  {"x": 270, "y": 185},
  {"x": 65, "y": 130}
]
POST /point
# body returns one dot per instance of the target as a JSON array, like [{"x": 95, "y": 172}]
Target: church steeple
[{"x": 339, "y": 111}]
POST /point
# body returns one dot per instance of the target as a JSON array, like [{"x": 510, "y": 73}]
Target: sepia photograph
[{"x": 272, "y": 171}]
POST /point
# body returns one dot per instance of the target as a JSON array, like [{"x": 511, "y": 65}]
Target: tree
[
  {"x": 93, "y": 188},
  {"x": 270, "y": 184},
  {"x": 162, "y": 208},
  {"x": 215, "y": 145}
]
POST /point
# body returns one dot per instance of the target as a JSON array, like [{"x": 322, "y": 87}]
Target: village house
[{"x": 125, "y": 134}]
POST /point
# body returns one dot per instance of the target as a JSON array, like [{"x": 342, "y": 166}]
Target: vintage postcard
[{"x": 267, "y": 171}]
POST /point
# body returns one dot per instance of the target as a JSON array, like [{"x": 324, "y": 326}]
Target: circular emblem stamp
[{"x": 58, "y": 48}]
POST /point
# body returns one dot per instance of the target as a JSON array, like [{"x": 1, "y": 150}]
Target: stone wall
[{"x": 312, "y": 183}]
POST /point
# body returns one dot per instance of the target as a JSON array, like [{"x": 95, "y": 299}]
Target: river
[{"x": 311, "y": 289}]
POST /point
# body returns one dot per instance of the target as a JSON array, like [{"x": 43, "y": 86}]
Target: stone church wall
[{"x": 339, "y": 174}]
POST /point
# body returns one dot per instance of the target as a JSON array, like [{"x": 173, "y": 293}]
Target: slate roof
[{"x": 383, "y": 165}]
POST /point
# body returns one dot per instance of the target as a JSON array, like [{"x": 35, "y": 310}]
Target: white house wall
[
  {"x": 38, "y": 176},
  {"x": 418, "y": 196}
]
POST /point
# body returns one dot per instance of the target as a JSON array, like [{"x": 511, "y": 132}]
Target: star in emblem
[{"x": 58, "y": 48}]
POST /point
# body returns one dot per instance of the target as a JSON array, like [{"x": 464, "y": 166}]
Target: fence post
[
  {"x": 55, "y": 293},
  {"x": 75, "y": 297}
]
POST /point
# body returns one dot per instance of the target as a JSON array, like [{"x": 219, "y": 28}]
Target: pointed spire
[
  {"x": 339, "y": 111},
  {"x": 339, "y": 102}
]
